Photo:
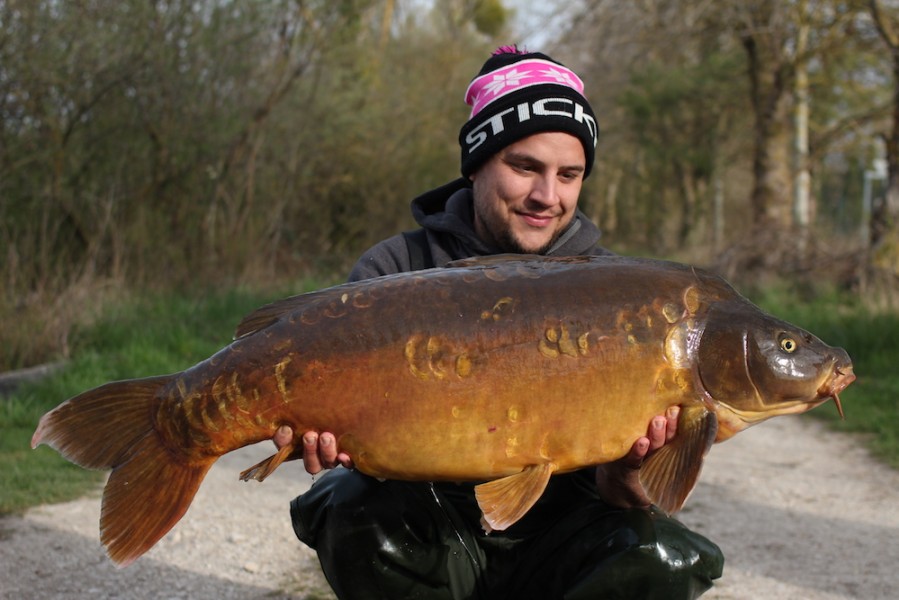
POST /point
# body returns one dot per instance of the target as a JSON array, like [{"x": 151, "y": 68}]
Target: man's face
[{"x": 526, "y": 194}]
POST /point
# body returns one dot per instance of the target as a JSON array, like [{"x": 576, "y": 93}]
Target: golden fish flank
[
  {"x": 435, "y": 357},
  {"x": 280, "y": 367},
  {"x": 512, "y": 446},
  {"x": 557, "y": 342},
  {"x": 233, "y": 404},
  {"x": 356, "y": 361},
  {"x": 204, "y": 416},
  {"x": 503, "y": 307},
  {"x": 640, "y": 325},
  {"x": 671, "y": 313}
]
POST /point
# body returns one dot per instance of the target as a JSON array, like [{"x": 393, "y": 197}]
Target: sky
[{"x": 536, "y": 19}]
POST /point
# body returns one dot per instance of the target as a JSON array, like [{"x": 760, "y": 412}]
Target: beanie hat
[{"x": 517, "y": 94}]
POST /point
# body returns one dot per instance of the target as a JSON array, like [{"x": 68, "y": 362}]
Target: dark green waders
[{"x": 398, "y": 540}]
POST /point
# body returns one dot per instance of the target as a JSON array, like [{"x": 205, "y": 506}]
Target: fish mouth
[{"x": 842, "y": 377}]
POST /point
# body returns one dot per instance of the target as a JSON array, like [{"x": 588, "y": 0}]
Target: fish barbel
[{"x": 503, "y": 370}]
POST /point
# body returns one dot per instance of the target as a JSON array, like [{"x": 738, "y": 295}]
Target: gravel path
[
  {"x": 235, "y": 542},
  {"x": 800, "y": 512}
]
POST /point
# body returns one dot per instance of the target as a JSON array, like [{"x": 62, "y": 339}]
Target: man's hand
[
  {"x": 618, "y": 482},
  {"x": 319, "y": 451}
]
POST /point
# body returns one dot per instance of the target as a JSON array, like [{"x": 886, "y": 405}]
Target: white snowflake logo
[
  {"x": 512, "y": 78},
  {"x": 562, "y": 77}
]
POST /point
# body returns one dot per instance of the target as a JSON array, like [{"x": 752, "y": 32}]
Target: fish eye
[{"x": 788, "y": 345}]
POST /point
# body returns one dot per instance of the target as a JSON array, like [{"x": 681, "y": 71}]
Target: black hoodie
[{"x": 446, "y": 214}]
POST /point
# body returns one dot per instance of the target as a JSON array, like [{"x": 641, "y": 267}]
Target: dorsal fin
[
  {"x": 266, "y": 315},
  {"x": 270, "y": 313}
]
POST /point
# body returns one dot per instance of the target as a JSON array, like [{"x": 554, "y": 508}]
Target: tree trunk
[
  {"x": 885, "y": 215},
  {"x": 770, "y": 165},
  {"x": 802, "y": 204}
]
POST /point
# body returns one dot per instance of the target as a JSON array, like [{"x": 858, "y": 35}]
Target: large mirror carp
[{"x": 503, "y": 370}]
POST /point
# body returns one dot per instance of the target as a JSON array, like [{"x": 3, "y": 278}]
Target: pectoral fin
[
  {"x": 504, "y": 501},
  {"x": 669, "y": 475}
]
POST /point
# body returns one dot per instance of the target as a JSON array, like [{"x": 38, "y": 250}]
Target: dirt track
[{"x": 801, "y": 513}]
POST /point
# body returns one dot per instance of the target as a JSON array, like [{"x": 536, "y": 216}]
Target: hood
[{"x": 447, "y": 210}]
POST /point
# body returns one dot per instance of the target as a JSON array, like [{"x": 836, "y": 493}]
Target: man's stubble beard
[
  {"x": 505, "y": 239},
  {"x": 507, "y": 243}
]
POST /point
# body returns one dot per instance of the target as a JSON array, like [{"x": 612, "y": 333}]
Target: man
[{"x": 526, "y": 150}]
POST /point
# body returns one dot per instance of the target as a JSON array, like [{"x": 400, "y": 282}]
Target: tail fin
[{"x": 150, "y": 487}]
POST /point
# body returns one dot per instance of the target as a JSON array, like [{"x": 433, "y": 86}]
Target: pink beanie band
[{"x": 526, "y": 73}]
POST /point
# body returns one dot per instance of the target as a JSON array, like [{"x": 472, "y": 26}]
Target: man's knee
[
  {"x": 651, "y": 555},
  {"x": 340, "y": 491},
  {"x": 384, "y": 539}
]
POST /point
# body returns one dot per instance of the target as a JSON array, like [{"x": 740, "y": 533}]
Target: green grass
[
  {"x": 151, "y": 336},
  {"x": 871, "y": 338},
  {"x": 165, "y": 334}
]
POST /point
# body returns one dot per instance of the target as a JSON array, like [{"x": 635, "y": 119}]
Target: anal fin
[
  {"x": 670, "y": 474},
  {"x": 263, "y": 469},
  {"x": 504, "y": 501}
]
